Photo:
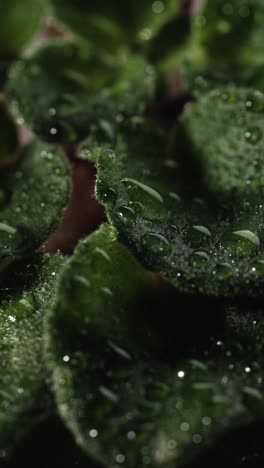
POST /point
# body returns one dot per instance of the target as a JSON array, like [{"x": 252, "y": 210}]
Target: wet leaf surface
[
  {"x": 130, "y": 383},
  {"x": 226, "y": 43},
  {"x": 33, "y": 197},
  {"x": 169, "y": 219}
]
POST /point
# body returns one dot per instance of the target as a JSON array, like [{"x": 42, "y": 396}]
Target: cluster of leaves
[{"x": 147, "y": 339}]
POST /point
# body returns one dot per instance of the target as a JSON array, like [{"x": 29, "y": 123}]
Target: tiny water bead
[
  {"x": 241, "y": 243},
  {"x": 156, "y": 244},
  {"x": 258, "y": 268},
  {"x": 200, "y": 258},
  {"x": 150, "y": 200},
  {"x": 198, "y": 235},
  {"x": 223, "y": 271},
  {"x": 107, "y": 194},
  {"x": 126, "y": 214},
  {"x": 149, "y": 190},
  {"x": 253, "y": 135}
]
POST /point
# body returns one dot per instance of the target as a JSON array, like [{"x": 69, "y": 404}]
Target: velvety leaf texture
[
  {"x": 122, "y": 387},
  {"x": 64, "y": 88},
  {"x": 32, "y": 199},
  {"x": 26, "y": 292},
  {"x": 166, "y": 215}
]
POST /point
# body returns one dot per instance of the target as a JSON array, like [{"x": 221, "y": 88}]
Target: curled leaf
[
  {"x": 125, "y": 388},
  {"x": 65, "y": 88},
  {"x": 32, "y": 199}
]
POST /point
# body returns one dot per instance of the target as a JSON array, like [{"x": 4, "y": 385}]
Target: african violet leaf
[
  {"x": 9, "y": 136},
  {"x": 26, "y": 290},
  {"x": 166, "y": 215},
  {"x": 114, "y": 25},
  {"x": 64, "y": 88},
  {"x": 224, "y": 132},
  {"x": 125, "y": 397},
  {"x": 32, "y": 199},
  {"x": 20, "y": 20},
  {"x": 228, "y": 38}
]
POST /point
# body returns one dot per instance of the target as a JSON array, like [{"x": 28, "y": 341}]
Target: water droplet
[
  {"x": 149, "y": 190},
  {"x": 253, "y": 135},
  {"x": 131, "y": 435},
  {"x": 93, "y": 433},
  {"x": 255, "y": 102},
  {"x": 241, "y": 242},
  {"x": 103, "y": 253},
  {"x": 120, "y": 458},
  {"x": 200, "y": 258},
  {"x": 106, "y": 392},
  {"x": 150, "y": 201},
  {"x": 258, "y": 267},
  {"x": 120, "y": 351},
  {"x": 252, "y": 392},
  {"x": 107, "y": 291},
  {"x": 126, "y": 214},
  {"x": 197, "y": 438},
  {"x": 223, "y": 26},
  {"x": 174, "y": 196},
  {"x": 4, "y": 227},
  {"x": 158, "y": 7},
  {"x": 107, "y": 195},
  {"x": 185, "y": 427},
  {"x": 82, "y": 281},
  {"x": 145, "y": 34},
  {"x": 223, "y": 271},
  {"x": 198, "y": 235},
  {"x": 156, "y": 243}
]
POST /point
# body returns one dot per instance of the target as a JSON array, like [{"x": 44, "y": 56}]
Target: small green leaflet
[
  {"x": 124, "y": 386},
  {"x": 32, "y": 199}
]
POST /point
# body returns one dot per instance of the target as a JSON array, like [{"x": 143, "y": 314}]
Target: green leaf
[
  {"x": 164, "y": 213},
  {"x": 9, "y": 136},
  {"x": 228, "y": 38},
  {"x": 32, "y": 199},
  {"x": 224, "y": 133},
  {"x": 64, "y": 88},
  {"x": 26, "y": 291},
  {"x": 20, "y": 20},
  {"x": 116, "y": 25},
  {"x": 125, "y": 388}
]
